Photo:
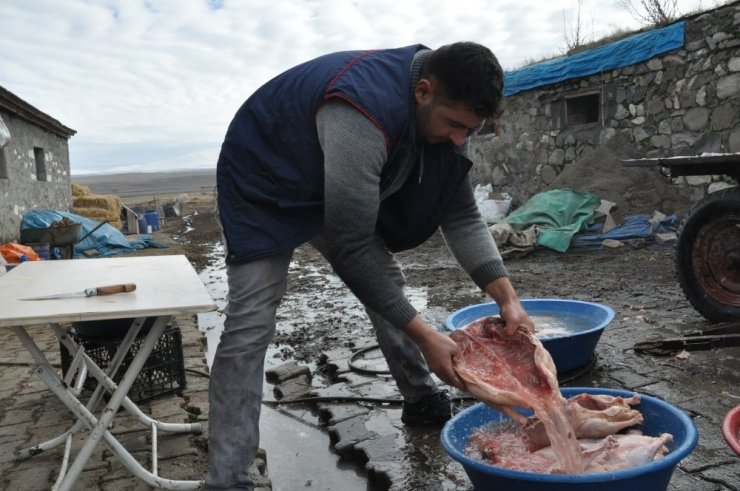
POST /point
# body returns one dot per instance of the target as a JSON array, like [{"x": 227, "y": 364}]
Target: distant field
[{"x": 146, "y": 186}]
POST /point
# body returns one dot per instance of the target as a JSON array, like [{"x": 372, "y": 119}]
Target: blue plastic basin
[
  {"x": 569, "y": 351},
  {"x": 660, "y": 417}
]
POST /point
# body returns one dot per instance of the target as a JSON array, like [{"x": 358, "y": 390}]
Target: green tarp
[{"x": 558, "y": 214}]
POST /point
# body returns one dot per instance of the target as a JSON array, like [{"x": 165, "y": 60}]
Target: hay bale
[
  {"x": 108, "y": 202},
  {"x": 99, "y": 207},
  {"x": 80, "y": 190},
  {"x": 91, "y": 212}
]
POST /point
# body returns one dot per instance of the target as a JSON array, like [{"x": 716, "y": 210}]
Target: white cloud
[{"x": 155, "y": 83}]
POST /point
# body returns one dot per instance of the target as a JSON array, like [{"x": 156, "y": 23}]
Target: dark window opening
[
  {"x": 489, "y": 128},
  {"x": 583, "y": 109},
  {"x": 38, "y": 153},
  {"x": 3, "y": 165}
]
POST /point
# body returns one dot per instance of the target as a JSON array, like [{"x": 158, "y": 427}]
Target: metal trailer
[{"x": 707, "y": 254}]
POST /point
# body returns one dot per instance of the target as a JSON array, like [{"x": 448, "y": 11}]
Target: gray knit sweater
[{"x": 354, "y": 156}]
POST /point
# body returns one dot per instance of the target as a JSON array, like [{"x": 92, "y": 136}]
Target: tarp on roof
[{"x": 625, "y": 52}]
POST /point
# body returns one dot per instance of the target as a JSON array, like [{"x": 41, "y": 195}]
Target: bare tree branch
[
  {"x": 574, "y": 31},
  {"x": 658, "y": 12}
]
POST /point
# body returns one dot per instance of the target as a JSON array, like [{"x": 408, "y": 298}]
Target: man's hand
[
  {"x": 438, "y": 350},
  {"x": 510, "y": 307},
  {"x": 516, "y": 317}
]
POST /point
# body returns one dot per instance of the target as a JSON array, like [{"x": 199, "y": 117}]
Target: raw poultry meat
[
  {"x": 591, "y": 416},
  {"x": 615, "y": 452},
  {"x": 505, "y": 445},
  {"x": 573, "y": 436},
  {"x": 506, "y": 371}
]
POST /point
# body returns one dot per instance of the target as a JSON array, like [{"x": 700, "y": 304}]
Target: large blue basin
[
  {"x": 660, "y": 417},
  {"x": 585, "y": 321}
]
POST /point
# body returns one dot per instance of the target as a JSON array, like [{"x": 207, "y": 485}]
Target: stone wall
[
  {"x": 684, "y": 102},
  {"x": 20, "y": 187}
]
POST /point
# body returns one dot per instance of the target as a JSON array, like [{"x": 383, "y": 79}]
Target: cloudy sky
[{"x": 151, "y": 85}]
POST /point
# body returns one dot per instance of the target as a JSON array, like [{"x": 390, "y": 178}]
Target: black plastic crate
[{"x": 163, "y": 372}]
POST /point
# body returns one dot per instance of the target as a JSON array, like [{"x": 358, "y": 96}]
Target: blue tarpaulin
[
  {"x": 625, "y": 52},
  {"x": 107, "y": 239},
  {"x": 634, "y": 227}
]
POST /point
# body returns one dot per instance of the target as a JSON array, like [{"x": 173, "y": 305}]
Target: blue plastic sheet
[
  {"x": 107, "y": 239},
  {"x": 625, "y": 52},
  {"x": 635, "y": 227}
]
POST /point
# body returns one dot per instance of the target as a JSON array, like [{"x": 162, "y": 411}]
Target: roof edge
[{"x": 20, "y": 108}]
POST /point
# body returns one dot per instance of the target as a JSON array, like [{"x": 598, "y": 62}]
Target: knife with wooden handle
[{"x": 89, "y": 292}]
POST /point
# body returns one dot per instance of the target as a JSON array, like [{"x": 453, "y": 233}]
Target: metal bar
[
  {"x": 154, "y": 449},
  {"x": 27, "y": 453},
  {"x": 85, "y": 417},
  {"x": 727, "y": 164},
  {"x": 726, "y": 158},
  {"x": 731, "y": 328},
  {"x": 97, "y": 396},
  {"x": 108, "y": 384},
  {"x": 76, "y": 373},
  {"x": 65, "y": 462},
  {"x": 115, "y": 401},
  {"x": 117, "y": 359},
  {"x": 74, "y": 405},
  {"x": 689, "y": 343}
]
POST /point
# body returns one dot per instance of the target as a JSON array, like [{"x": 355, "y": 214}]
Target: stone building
[
  {"x": 668, "y": 91},
  {"x": 34, "y": 164}
]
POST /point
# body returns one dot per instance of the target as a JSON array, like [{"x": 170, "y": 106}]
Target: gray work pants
[{"x": 235, "y": 392}]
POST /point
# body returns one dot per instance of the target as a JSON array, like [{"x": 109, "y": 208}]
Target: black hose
[
  {"x": 198, "y": 372},
  {"x": 354, "y": 367}
]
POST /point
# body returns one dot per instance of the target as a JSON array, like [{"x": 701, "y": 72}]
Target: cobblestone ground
[{"x": 30, "y": 414}]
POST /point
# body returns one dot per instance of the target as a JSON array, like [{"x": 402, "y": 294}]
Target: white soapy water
[{"x": 559, "y": 324}]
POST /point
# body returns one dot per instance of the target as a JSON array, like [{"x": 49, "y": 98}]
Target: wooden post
[{"x": 132, "y": 222}]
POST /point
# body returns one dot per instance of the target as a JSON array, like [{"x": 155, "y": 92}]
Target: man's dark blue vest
[{"x": 270, "y": 174}]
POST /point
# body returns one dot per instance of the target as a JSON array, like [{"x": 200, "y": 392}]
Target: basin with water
[
  {"x": 569, "y": 329},
  {"x": 659, "y": 417}
]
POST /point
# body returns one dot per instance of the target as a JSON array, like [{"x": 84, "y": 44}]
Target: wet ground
[{"x": 320, "y": 322}]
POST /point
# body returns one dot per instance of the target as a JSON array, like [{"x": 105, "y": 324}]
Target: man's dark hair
[{"x": 469, "y": 74}]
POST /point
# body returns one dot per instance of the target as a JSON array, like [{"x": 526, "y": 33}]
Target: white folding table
[{"x": 165, "y": 286}]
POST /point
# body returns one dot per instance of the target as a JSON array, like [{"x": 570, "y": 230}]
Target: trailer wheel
[{"x": 708, "y": 256}]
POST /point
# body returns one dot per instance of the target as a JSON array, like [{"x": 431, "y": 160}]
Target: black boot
[{"x": 433, "y": 409}]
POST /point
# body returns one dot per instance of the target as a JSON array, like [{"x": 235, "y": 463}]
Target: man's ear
[{"x": 424, "y": 91}]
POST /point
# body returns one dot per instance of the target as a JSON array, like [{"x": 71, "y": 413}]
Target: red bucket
[{"x": 731, "y": 429}]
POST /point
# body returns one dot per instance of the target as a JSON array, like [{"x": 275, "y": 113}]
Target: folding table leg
[
  {"x": 104, "y": 380},
  {"x": 65, "y": 462},
  {"x": 73, "y": 404},
  {"x": 97, "y": 395},
  {"x": 99, "y": 426}
]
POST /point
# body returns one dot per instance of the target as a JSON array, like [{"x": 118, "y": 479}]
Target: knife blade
[{"x": 89, "y": 292}]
